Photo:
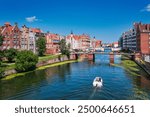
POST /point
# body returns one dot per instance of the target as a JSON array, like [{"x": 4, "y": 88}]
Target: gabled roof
[
  {"x": 36, "y": 30},
  {"x": 76, "y": 37},
  {"x": 115, "y": 42},
  {"x": 7, "y": 27},
  {"x": 53, "y": 36}
]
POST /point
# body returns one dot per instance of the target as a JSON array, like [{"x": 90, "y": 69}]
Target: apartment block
[
  {"x": 34, "y": 34},
  {"x": 24, "y": 38},
  {"x": 129, "y": 40}
]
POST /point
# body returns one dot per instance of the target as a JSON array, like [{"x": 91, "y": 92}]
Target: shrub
[
  {"x": 1, "y": 72},
  {"x": 10, "y": 54},
  {"x": 1, "y": 55},
  {"x": 26, "y": 61}
]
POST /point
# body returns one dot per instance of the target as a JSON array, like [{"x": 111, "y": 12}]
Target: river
[{"x": 74, "y": 82}]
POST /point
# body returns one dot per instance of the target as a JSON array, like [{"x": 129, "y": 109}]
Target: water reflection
[{"x": 74, "y": 81}]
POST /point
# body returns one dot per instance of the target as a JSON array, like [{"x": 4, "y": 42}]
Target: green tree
[
  {"x": 64, "y": 48},
  {"x": 26, "y": 61},
  {"x": 41, "y": 46},
  {"x": 10, "y": 54},
  {"x": 1, "y": 40},
  {"x": 1, "y": 70},
  {"x": 1, "y": 55}
]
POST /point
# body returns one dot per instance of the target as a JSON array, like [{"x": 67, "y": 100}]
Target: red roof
[
  {"x": 7, "y": 23},
  {"x": 36, "y": 30},
  {"x": 76, "y": 37},
  {"x": 52, "y": 36},
  {"x": 84, "y": 36},
  {"x": 115, "y": 42}
]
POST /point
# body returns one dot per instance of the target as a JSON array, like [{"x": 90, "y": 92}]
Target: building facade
[
  {"x": 52, "y": 43},
  {"x": 74, "y": 41},
  {"x": 12, "y": 36},
  {"x": 24, "y": 38},
  {"x": 129, "y": 40},
  {"x": 85, "y": 40},
  {"x": 138, "y": 40},
  {"x": 143, "y": 40},
  {"x": 34, "y": 34}
]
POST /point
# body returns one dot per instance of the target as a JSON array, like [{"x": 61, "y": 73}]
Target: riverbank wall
[
  {"x": 138, "y": 60},
  {"x": 44, "y": 63},
  {"x": 144, "y": 66}
]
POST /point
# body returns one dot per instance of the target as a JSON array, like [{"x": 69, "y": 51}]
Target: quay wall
[{"x": 47, "y": 62}]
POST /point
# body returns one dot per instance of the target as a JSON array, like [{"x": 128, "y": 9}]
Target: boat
[{"x": 98, "y": 82}]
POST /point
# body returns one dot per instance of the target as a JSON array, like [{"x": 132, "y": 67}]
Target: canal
[{"x": 74, "y": 81}]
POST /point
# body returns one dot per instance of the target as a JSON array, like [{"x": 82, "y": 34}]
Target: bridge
[
  {"x": 91, "y": 55},
  {"x": 107, "y": 53}
]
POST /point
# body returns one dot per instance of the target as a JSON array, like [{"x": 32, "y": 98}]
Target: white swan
[{"x": 98, "y": 82}]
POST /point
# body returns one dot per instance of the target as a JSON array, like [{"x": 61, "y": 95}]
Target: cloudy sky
[{"x": 105, "y": 19}]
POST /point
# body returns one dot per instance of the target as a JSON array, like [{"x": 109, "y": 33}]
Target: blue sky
[{"x": 105, "y": 19}]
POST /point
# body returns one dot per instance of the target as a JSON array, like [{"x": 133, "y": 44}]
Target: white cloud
[
  {"x": 147, "y": 8},
  {"x": 31, "y": 19}
]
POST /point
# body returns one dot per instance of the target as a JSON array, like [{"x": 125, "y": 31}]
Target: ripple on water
[{"x": 74, "y": 81}]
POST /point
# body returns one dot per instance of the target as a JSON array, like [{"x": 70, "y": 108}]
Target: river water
[{"x": 74, "y": 82}]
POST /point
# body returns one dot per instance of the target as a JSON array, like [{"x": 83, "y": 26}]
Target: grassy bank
[
  {"x": 130, "y": 66},
  {"x": 39, "y": 68},
  {"x": 56, "y": 64},
  {"x": 48, "y": 57},
  {"x": 8, "y": 66}
]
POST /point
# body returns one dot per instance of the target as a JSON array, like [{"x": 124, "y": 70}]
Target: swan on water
[{"x": 98, "y": 82}]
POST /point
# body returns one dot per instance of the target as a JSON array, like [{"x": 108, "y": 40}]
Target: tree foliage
[
  {"x": 10, "y": 54},
  {"x": 41, "y": 46},
  {"x": 1, "y": 55},
  {"x": 1, "y": 40},
  {"x": 1, "y": 70},
  {"x": 64, "y": 48},
  {"x": 26, "y": 61}
]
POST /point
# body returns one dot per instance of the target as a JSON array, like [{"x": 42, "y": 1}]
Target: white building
[
  {"x": 129, "y": 40},
  {"x": 32, "y": 41},
  {"x": 74, "y": 41},
  {"x": 24, "y": 38}
]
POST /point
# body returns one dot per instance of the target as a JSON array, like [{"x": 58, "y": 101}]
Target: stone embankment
[{"x": 44, "y": 63}]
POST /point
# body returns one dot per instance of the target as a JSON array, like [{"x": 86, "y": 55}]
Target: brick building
[
  {"x": 98, "y": 43},
  {"x": 52, "y": 43},
  {"x": 12, "y": 36},
  {"x": 143, "y": 40},
  {"x": 85, "y": 42}
]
